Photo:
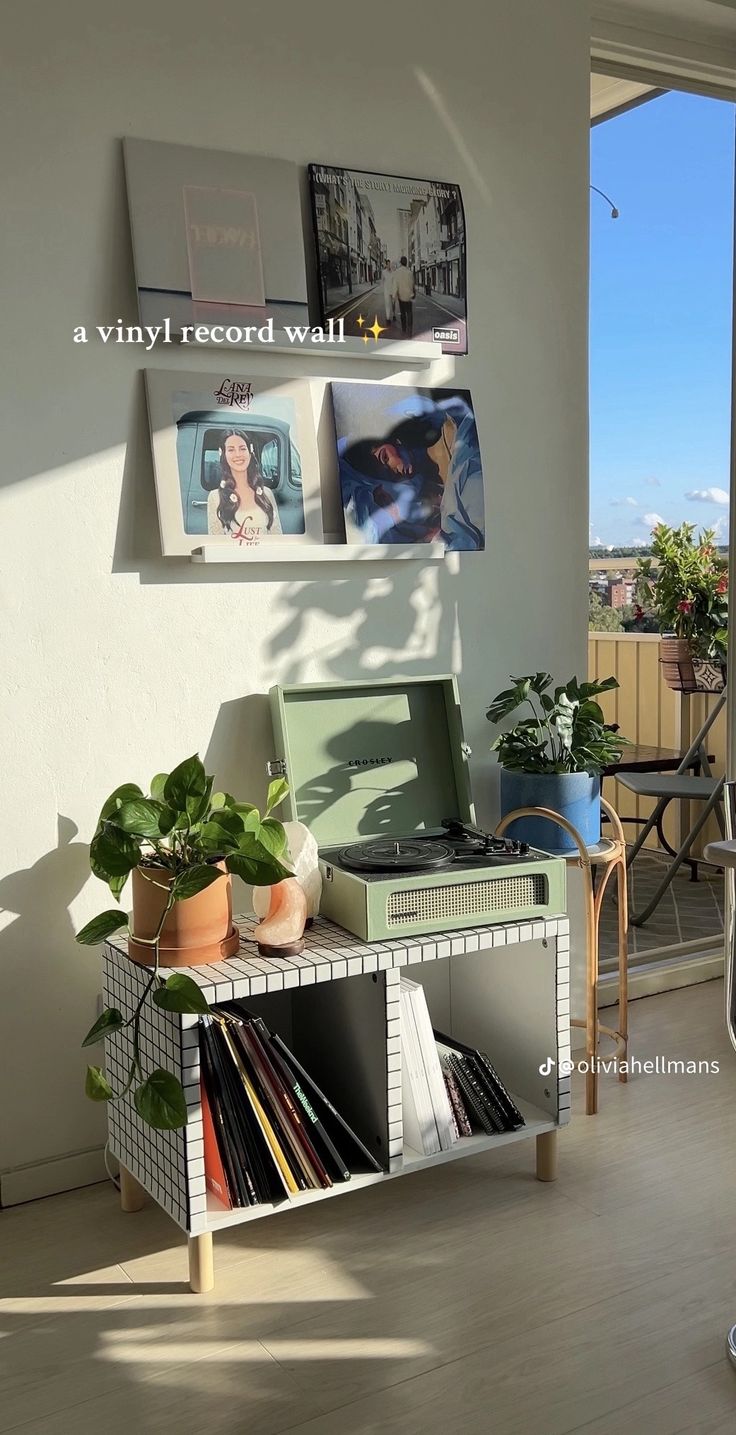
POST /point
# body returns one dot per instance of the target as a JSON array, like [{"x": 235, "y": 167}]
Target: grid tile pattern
[
  {"x": 393, "y": 1068},
  {"x": 170, "y": 1164},
  {"x": 563, "y": 1020},
  {"x": 330, "y": 953}
]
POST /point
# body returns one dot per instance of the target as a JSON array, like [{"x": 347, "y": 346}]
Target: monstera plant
[
  {"x": 178, "y": 841},
  {"x": 553, "y": 757}
]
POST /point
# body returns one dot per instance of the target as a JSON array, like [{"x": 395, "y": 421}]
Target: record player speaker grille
[{"x": 466, "y": 899}]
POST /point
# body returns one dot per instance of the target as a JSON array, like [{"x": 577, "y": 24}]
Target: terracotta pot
[
  {"x": 677, "y": 664},
  {"x": 197, "y": 930}
]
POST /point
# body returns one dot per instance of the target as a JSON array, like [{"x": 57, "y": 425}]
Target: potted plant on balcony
[
  {"x": 688, "y": 589},
  {"x": 554, "y": 757},
  {"x": 180, "y": 843}
]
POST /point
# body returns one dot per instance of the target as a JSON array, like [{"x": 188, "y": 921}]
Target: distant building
[
  {"x": 619, "y": 593},
  {"x": 615, "y": 592},
  {"x": 332, "y": 211},
  {"x": 403, "y": 218},
  {"x": 451, "y": 275}
]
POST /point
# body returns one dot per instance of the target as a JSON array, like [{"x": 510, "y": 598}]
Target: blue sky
[{"x": 660, "y": 325}]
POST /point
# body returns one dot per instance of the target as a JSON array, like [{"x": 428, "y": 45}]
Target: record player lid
[{"x": 368, "y": 759}]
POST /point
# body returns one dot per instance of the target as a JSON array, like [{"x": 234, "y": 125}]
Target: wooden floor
[{"x": 469, "y": 1299}]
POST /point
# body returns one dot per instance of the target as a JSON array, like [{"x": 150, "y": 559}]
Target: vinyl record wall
[{"x": 117, "y": 663}]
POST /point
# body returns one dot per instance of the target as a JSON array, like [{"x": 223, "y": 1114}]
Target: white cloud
[
  {"x": 596, "y": 542},
  {"x": 720, "y": 527},
  {"x": 708, "y": 495},
  {"x": 651, "y": 520},
  {"x": 640, "y": 543},
  {"x": 624, "y": 503},
  {"x": 652, "y": 482}
]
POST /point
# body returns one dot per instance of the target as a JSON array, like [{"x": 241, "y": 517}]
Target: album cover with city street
[
  {"x": 391, "y": 256},
  {"x": 410, "y": 466}
]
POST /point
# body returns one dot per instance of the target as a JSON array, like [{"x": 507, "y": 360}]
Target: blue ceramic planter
[{"x": 575, "y": 795}]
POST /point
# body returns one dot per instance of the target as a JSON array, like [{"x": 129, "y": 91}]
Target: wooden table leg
[
  {"x": 623, "y": 962},
  {"x": 591, "y": 1002},
  {"x": 132, "y": 1194},
  {"x": 547, "y": 1156},
  {"x": 201, "y": 1263}
]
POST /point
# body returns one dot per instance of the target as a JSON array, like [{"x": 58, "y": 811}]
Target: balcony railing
[{"x": 648, "y": 711}]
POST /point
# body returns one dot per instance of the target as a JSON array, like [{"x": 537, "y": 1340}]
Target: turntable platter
[{"x": 385, "y": 854}]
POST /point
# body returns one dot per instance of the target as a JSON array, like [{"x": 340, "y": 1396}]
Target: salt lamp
[
  {"x": 303, "y": 857},
  {"x": 281, "y": 931}
]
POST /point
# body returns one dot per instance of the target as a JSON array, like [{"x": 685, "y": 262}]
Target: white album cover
[{"x": 217, "y": 236}]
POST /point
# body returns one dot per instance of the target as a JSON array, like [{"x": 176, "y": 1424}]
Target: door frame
[{"x": 679, "y": 62}]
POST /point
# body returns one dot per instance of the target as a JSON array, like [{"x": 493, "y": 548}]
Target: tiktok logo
[{"x": 547, "y": 1066}]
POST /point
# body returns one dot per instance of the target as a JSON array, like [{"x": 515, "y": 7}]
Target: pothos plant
[
  {"x": 184, "y": 828},
  {"x": 564, "y": 732}
]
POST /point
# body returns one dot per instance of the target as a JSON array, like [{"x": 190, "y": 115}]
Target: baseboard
[
  {"x": 49, "y": 1178},
  {"x": 654, "y": 978}
]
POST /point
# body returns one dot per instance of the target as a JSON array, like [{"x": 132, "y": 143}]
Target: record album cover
[
  {"x": 235, "y": 460},
  {"x": 410, "y": 466},
  {"x": 217, "y": 236},
  {"x": 391, "y": 255}
]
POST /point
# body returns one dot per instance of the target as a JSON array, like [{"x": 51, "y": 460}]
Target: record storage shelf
[{"x": 503, "y": 988}]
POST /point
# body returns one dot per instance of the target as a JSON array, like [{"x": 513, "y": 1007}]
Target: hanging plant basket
[
  {"x": 685, "y": 673},
  {"x": 676, "y": 660}
]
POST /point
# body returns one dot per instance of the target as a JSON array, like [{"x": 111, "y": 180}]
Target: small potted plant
[
  {"x": 180, "y": 843},
  {"x": 688, "y": 588},
  {"x": 553, "y": 757}
]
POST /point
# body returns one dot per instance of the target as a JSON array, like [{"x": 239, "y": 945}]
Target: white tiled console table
[{"x": 504, "y": 989}]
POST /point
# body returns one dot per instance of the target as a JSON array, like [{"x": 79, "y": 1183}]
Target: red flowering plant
[{"x": 688, "y": 588}]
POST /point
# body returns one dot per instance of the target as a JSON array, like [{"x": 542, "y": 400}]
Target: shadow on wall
[
  {"x": 405, "y": 624},
  {"x": 38, "y": 953},
  {"x": 110, "y": 295},
  {"x": 385, "y": 627}
]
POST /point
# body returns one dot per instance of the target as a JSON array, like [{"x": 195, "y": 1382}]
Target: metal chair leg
[
  {"x": 652, "y": 821},
  {"x": 637, "y": 919}
]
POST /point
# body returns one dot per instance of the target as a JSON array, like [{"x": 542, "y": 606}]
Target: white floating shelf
[
  {"x": 394, "y": 351},
  {"x": 317, "y": 553},
  {"x": 180, "y": 313}
]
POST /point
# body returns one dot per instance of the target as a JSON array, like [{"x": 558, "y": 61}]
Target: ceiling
[
  {"x": 703, "y": 22},
  {"x": 608, "y": 96},
  {"x": 717, "y": 17}
]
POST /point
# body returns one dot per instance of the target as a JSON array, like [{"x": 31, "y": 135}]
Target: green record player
[{"x": 378, "y": 772}]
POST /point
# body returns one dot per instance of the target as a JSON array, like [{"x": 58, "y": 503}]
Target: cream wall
[{"x": 117, "y": 663}]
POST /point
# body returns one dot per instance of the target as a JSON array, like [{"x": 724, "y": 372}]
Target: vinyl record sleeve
[
  {"x": 329, "y": 1113},
  {"x": 235, "y": 460},
  {"x": 391, "y": 256},
  {"x": 203, "y": 256},
  {"x": 409, "y": 465}
]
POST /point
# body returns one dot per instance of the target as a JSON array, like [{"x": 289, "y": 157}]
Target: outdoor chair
[{"x": 684, "y": 785}]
